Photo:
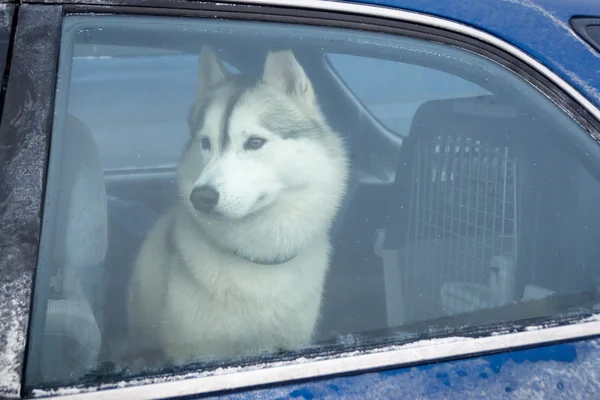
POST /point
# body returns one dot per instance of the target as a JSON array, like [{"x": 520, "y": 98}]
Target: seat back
[{"x": 72, "y": 335}]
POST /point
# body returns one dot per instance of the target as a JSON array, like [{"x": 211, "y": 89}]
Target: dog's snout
[{"x": 204, "y": 198}]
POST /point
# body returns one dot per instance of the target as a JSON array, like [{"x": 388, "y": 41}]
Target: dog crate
[{"x": 461, "y": 247}]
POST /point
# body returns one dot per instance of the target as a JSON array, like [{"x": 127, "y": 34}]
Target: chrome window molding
[
  {"x": 387, "y": 357},
  {"x": 264, "y": 374}
]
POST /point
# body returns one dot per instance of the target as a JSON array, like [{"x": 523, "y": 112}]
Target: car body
[{"x": 539, "y": 40}]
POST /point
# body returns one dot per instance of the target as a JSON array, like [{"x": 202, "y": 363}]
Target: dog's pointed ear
[
  {"x": 211, "y": 72},
  {"x": 283, "y": 71}
]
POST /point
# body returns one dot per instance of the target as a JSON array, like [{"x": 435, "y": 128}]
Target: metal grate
[{"x": 462, "y": 237}]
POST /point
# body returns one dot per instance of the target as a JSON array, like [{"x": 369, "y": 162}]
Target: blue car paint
[
  {"x": 559, "y": 371},
  {"x": 539, "y": 27}
]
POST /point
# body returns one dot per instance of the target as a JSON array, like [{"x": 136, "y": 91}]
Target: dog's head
[{"x": 254, "y": 142}]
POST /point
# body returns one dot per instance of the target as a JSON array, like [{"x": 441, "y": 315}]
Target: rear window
[{"x": 393, "y": 91}]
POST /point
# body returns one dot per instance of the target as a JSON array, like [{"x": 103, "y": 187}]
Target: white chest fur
[{"x": 200, "y": 302}]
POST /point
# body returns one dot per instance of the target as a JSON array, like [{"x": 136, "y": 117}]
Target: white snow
[{"x": 13, "y": 318}]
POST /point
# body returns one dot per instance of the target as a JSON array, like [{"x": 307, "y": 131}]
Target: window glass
[
  {"x": 393, "y": 91},
  {"x": 151, "y": 121},
  {"x": 215, "y": 196}
]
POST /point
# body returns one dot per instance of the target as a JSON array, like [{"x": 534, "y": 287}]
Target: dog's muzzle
[{"x": 204, "y": 198}]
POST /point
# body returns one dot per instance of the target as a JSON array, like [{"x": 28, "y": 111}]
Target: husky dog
[{"x": 237, "y": 266}]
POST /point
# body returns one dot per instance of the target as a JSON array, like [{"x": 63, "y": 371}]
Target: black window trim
[{"x": 41, "y": 80}]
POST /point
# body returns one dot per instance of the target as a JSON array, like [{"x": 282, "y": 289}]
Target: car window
[
  {"x": 155, "y": 108},
  {"x": 393, "y": 91},
  {"x": 216, "y": 198}
]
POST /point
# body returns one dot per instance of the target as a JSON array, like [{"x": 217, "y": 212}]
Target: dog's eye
[
  {"x": 254, "y": 143},
  {"x": 206, "y": 143}
]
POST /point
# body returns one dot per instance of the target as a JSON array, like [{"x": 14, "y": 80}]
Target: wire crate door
[{"x": 462, "y": 234}]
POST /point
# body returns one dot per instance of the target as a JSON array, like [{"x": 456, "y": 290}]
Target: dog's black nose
[{"x": 204, "y": 198}]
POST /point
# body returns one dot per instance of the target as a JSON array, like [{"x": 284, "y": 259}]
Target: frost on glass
[{"x": 476, "y": 217}]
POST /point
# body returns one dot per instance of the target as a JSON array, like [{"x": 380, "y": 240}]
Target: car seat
[{"x": 72, "y": 335}]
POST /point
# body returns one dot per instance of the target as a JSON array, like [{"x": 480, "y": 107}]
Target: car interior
[{"x": 480, "y": 213}]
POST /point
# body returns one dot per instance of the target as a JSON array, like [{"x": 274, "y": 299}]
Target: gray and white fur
[{"x": 237, "y": 266}]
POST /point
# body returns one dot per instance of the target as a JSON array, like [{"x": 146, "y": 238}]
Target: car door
[{"x": 466, "y": 237}]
